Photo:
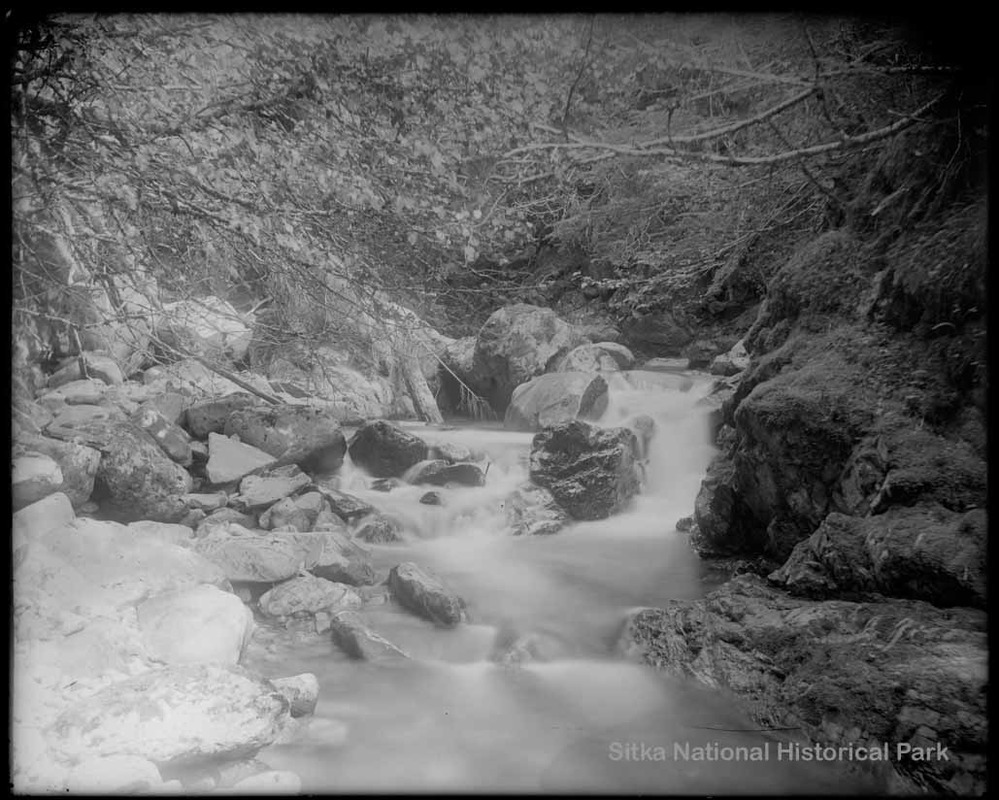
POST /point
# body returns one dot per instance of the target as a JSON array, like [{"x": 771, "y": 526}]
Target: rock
[
  {"x": 719, "y": 530},
  {"x": 592, "y": 472},
  {"x": 293, "y": 434},
  {"x": 259, "y": 491},
  {"x": 511, "y": 649},
  {"x": 229, "y": 460},
  {"x": 701, "y": 353},
  {"x": 656, "y": 333},
  {"x": 80, "y": 416},
  {"x": 386, "y": 484},
  {"x": 206, "y": 502},
  {"x": 175, "y": 715},
  {"x": 113, "y": 775},
  {"x": 271, "y": 782},
  {"x": 644, "y": 428},
  {"x": 665, "y": 365},
  {"x": 385, "y": 450},
  {"x": 450, "y": 452},
  {"x": 34, "y": 477},
  {"x": 517, "y": 343},
  {"x": 79, "y": 392},
  {"x": 599, "y": 357},
  {"x": 554, "y": 398},
  {"x": 925, "y": 553},
  {"x": 440, "y": 473},
  {"x": 358, "y": 641},
  {"x": 844, "y": 673},
  {"x": 423, "y": 593},
  {"x": 300, "y": 512},
  {"x": 135, "y": 478},
  {"x": 168, "y": 532},
  {"x": 98, "y": 366},
  {"x": 199, "y": 625},
  {"x": 377, "y": 528},
  {"x": 345, "y": 506},
  {"x": 53, "y": 511},
  {"x": 171, "y": 405},
  {"x": 211, "y": 416},
  {"x": 532, "y": 510},
  {"x": 219, "y": 518},
  {"x": 77, "y": 462},
  {"x": 207, "y": 327},
  {"x": 731, "y": 363},
  {"x": 432, "y": 499},
  {"x": 301, "y": 691},
  {"x": 172, "y": 439},
  {"x": 307, "y": 594},
  {"x": 342, "y": 560},
  {"x": 246, "y": 556}
]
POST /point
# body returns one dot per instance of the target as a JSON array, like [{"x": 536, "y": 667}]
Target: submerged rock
[
  {"x": 592, "y": 472},
  {"x": 377, "y": 528},
  {"x": 423, "y": 593},
  {"x": 301, "y": 691},
  {"x": 358, "y": 641},
  {"x": 441, "y": 473},
  {"x": 533, "y": 510}
]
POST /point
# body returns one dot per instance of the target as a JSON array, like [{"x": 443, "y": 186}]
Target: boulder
[
  {"x": 701, "y": 353},
  {"x": 77, "y": 462},
  {"x": 345, "y": 506},
  {"x": 377, "y": 528},
  {"x": 438, "y": 472},
  {"x": 655, "y": 333},
  {"x": 719, "y": 525},
  {"x": 206, "y": 501},
  {"x": 341, "y": 560},
  {"x": 219, "y": 518},
  {"x": 302, "y": 435},
  {"x": 172, "y": 439},
  {"x": 53, "y": 511},
  {"x": 248, "y": 556},
  {"x": 554, "y": 398},
  {"x": 171, "y": 405},
  {"x": 843, "y": 673},
  {"x": 591, "y": 472},
  {"x": 432, "y": 499},
  {"x": 269, "y": 782},
  {"x": 169, "y": 532},
  {"x": 211, "y": 416},
  {"x": 665, "y": 365},
  {"x": 517, "y": 343},
  {"x": 208, "y": 327},
  {"x": 198, "y": 625},
  {"x": 423, "y": 593},
  {"x": 385, "y": 450},
  {"x": 136, "y": 479},
  {"x": 175, "y": 715},
  {"x": 89, "y": 391},
  {"x": 532, "y": 510},
  {"x": 358, "y": 641},
  {"x": 926, "y": 553},
  {"x": 33, "y": 477},
  {"x": 731, "y": 363},
  {"x": 98, "y": 366},
  {"x": 644, "y": 428},
  {"x": 299, "y": 513},
  {"x": 259, "y": 491},
  {"x": 113, "y": 775},
  {"x": 599, "y": 357},
  {"x": 71, "y": 418},
  {"x": 229, "y": 460},
  {"x": 301, "y": 691},
  {"x": 305, "y": 595},
  {"x": 450, "y": 452}
]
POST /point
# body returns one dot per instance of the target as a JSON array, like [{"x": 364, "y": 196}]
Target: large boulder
[
  {"x": 305, "y": 595},
  {"x": 257, "y": 492},
  {"x": 199, "y": 625},
  {"x": 598, "y": 357},
  {"x": 423, "y": 593},
  {"x": 172, "y": 439},
  {"x": 926, "y": 553},
  {"x": 385, "y": 450},
  {"x": 95, "y": 365},
  {"x": 843, "y": 673},
  {"x": 249, "y": 556},
  {"x": 556, "y": 397},
  {"x": 731, "y": 363},
  {"x": 175, "y": 716},
  {"x": 517, "y": 343},
  {"x": 229, "y": 460},
  {"x": 592, "y": 472},
  {"x": 136, "y": 479},
  {"x": 533, "y": 510},
  {"x": 33, "y": 477},
  {"x": 438, "y": 472},
  {"x": 208, "y": 327},
  {"x": 308, "y": 437},
  {"x": 210, "y": 416},
  {"x": 658, "y": 334},
  {"x": 77, "y": 462}
]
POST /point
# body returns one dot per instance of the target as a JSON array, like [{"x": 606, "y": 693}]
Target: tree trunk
[{"x": 426, "y": 405}]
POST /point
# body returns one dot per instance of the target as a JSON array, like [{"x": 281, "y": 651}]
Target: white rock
[
  {"x": 34, "y": 477},
  {"x": 229, "y": 460},
  {"x": 113, "y": 775},
  {"x": 31, "y": 521}
]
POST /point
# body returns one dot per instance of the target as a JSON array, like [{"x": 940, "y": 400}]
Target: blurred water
[{"x": 450, "y": 719}]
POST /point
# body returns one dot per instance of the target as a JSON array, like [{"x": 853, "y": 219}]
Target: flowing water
[{"x": 583, "y": 720}]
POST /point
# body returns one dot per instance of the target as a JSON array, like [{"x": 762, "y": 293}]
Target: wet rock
[
  {"x": 897, "y": 671},
  {"x": 172, "y": 439},
  {"x": 211, "y": 416},
  {"x": 377, "y": 528},
  {"x": 533, "y": 510},
  {"x": 599, "y": 357},
  {"x": 293, "y": 434},
  {"x": 715, "y": 511},
  {"x": 198, "y": 625},
  {"x": 176, "y": 714},
  {"x": 343, "y": 560},
  {"x": 512, "y": 649},
  {"x": 34, "y": 477},
  {"x": 645, "y": 428},
  {"x": 517, "y": 343},
  {"x": 208, "y": 326},
  {"x": 665, "y": 365},
  {"x": 450, "y": 452},
  {"x": 554, "y": 398},
  {"x": 136, "y": 479},
  {"x": 731, "y": 363},
  {"x": 301, "y": 691},
  {"x": 592, "y": 472},
  {"x": 385, "y": 450},
  {"x": 685, "y": 524},
  {"x": 345, "y": 506},
  {"x": 423, "y": 593},
  {"x": 259, "y": 491},
  {"x": 77, "y": 462},
  {"x": 657, "y": 333},
  {"x": 440, "y": 473},
  {"x": 307, "y": 594},
  {"x": 113, "y": 775},
  {"x": 101, "y": 367},
  {"x": 925, "y": 553},
  {"x": 358, "y": 641},
  {"x": 387, "y": 484},
  {"x": 432, "y": 499},
  {"x": 248, "y": 556},
  {"x": 701, "y": 353}
]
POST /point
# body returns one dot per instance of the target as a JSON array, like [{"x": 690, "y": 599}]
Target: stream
[{"x": 583, "y": 720}]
